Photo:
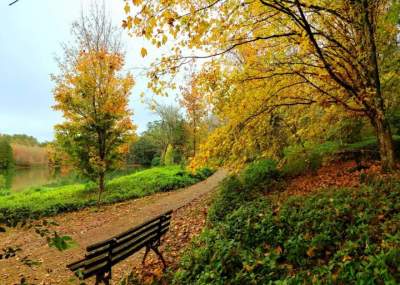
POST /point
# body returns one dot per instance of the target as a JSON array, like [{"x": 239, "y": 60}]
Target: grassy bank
[
  {"x": 336, "y": 236},
  {"x": 48, "y": 201}
]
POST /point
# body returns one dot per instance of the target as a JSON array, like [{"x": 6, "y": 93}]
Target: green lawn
[{"x": 48, "y": 201}]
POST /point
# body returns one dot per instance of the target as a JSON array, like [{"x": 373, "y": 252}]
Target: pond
[{"x": 19, "y": 179}]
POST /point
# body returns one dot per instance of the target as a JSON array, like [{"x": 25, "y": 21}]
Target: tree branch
[{"x": 242, "y": 43}]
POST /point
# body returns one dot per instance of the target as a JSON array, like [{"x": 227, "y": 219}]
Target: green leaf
[{"x": 61, "y": 243}]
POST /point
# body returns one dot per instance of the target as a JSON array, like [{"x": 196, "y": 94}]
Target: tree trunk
[
  {"x": 101, "y": 186},
  {"x": 385, "y": 143},
  {"x": 194, "y": 141},
  {"x": 379, "y": 120}
]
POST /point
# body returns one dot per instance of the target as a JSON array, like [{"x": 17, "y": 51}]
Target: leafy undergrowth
[
  {"x": 334, "y": 236},
  {"x": 48, "y": 201}
]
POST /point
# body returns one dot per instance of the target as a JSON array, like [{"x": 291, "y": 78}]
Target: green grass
[
  {"x": 336, "y": 236},
  {"x": 47, "y": 201}
]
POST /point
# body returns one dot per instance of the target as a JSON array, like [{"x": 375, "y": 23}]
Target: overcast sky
[{"x": 31, "y": 35}]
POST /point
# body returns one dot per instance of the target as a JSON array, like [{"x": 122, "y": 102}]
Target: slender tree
[
  {"x": 92, "y": 94},
  {"x": 193, "y": 100}
]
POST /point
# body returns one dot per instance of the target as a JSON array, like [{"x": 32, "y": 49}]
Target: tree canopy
[{"x": 280, "y": 61}]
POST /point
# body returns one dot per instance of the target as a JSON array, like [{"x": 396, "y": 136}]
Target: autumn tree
[
  {"x": 92, "y": 93},
  {"x": 194, "y": 102},
  {"x": 57, "y": 159},
  {"x": 303, "y": 53}
]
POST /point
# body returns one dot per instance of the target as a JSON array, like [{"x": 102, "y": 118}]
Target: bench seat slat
[
  {"x": 103, "y": 243},
  {"x": 97, "y": 252},
  {"x": 130, "y": 251},
  {"x": 139, "y": 239},
  {"x": 86, "y": 263},
  {"x": 137, "y": 234},
  {"x": 96, "y": 260},
  {"x": 76, "y": 265},
  {"x": 153, "y": 223},
  {"x": 94, "y": 270},
  {"x": 100, "y": 258},
  {"x": 130, "y": 237}
]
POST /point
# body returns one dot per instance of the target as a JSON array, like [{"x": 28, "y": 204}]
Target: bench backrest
[{"x": 100, "y": 257}]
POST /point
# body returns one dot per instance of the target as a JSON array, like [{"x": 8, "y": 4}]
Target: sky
[{"x": 30, "y": 37}]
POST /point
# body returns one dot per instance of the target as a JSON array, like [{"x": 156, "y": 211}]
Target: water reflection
[{"x": 18, "y": 179}]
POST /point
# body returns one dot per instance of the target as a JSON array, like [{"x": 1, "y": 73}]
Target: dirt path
[{"x": 86, "y": 227}]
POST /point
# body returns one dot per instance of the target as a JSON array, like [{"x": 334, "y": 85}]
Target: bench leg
[
  {"x": 145, "y": 254},
  {"x": 99, "y": 278},
  {"x": 103, "y": 278},
  {"x": 155, "y": 249}
]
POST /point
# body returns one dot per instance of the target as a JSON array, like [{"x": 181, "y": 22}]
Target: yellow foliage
[
  {"x": 278, "y": 71},
  {"x": 93, "y": 97}
]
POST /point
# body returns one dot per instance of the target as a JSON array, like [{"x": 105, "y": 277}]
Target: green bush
[
  {"x": 203, "y": 173},
  {"x": 342, "y": 236},
  {"x": 156, "y": 161},
  {"x": 231, "y": 195},
  {"x": 259, "y": 174},
  {"x": 256, "y": 179},
  {"x": 301, "y": 159},
  {"x": 48, "y": 201}
]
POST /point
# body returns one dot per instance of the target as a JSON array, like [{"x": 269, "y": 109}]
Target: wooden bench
[{"x": 100, "y": 257}]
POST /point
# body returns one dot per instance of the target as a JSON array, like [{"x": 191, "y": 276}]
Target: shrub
[
  {"x": 257, "y": 178},
  {"x": 228, "y": 198},
  {"x": 203, "y": 173},
  {"x": 299, "y": 159},
  {"x": 259, "y": 174},
  {"x": 345, "y": 236},
  {"x": 156, "y": 161},
  {"x": 231, "y": 195}
]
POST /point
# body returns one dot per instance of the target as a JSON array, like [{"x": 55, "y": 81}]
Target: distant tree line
[
  {"x": 170, "y": 140},
  {"x": 6, "y": 154},
  {"x": 21, "y": 150},
  {"x": 22, "y": 139}
]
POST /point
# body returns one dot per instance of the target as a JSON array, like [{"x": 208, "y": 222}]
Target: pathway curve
[{"x": 88, "y": 226}]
